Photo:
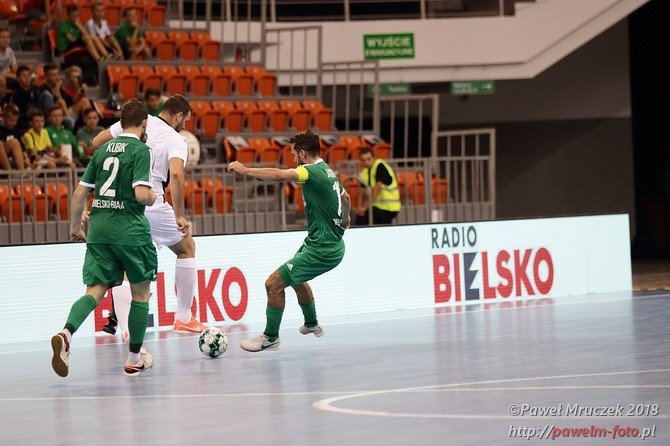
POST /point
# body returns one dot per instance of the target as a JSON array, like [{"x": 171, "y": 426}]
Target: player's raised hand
[
  {"x": 236, "y": 166},
  {"x": 183, "y": 225},
  {"x": 77, "y": 234}
]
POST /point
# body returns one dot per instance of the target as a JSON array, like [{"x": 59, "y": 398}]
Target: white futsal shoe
[
  {"x": 145, "y": 364},
  {"x": 61, "y": 348},
  {"x": 260, "y": 343},
  {"x": 316, "y": 330}
]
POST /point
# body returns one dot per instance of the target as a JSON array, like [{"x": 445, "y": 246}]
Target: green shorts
[
  {"x": 105, "y": 263},
  {"x": 309, "y": 263}
]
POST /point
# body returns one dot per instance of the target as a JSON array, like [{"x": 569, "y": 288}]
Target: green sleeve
[
  {"x": 142, "y": 166},
  {"x": 88, "y": 179}
]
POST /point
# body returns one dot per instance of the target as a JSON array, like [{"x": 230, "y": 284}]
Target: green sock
[
  {"x": 309, "y": 311},
  {"x": 274, "y": 316},
  {"x": 79, "y": 312},
  {"x": 137, "y": 324}
]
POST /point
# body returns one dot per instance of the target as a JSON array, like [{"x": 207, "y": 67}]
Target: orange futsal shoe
[{"x": 191, "y": 327}]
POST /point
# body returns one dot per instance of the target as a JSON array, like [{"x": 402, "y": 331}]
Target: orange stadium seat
[
  {"x": 336, "y": 154},
  {"x": 255, "y": 118},
  {"x": 219, "y": 198},
  {"x": 210, "y": 50},
  {"x": 287, "y": 158},
  {"x": 322, "y": 117},
  {"x": 58, "y": 194},
  {"x": 36, "y": 201},
  {"x": 233, "y": 119},
  {"x": 194, "y": 197},
  {"x": 123, "y": 81},
  {"x": 12, "y": 205},
  {"x": 382, "y": 150},
  {"x": 154, "y": 37},
  {"x": 300, "y": 118},
  {"x": 278, "y": 118},
  {"x": 198, "y": 83},
  {"x": 243, "y": 83},
  {"x": 155, "y": 13},
  {"x": 200, "y": 36},
  {"x": 266, "y": 83},
  {"x": 112, "y": 14},
  {"x": 147, "y": 77}
]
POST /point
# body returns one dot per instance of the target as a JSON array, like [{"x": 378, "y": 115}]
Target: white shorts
[{"x": 163, "y": 224}]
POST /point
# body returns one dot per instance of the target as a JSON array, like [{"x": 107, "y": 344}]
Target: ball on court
[{"x": 213, "y": 342}]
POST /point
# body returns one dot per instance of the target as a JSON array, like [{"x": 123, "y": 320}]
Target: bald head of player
[{"x": 176, "y": 112}]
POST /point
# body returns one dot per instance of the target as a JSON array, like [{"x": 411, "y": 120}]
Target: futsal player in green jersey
[
  {"x": 118, "y": 238},
  {"x": 327, "y": 207}
]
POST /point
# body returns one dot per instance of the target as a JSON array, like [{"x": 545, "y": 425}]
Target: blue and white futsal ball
[{"x": 213, "y": 342}]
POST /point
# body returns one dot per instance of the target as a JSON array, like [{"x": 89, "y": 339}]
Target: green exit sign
[
  {"x": 466, "y": 88},
  {"x": 400, "y": 88}
]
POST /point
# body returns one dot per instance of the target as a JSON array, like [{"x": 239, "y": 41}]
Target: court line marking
[
  {"x": 529, "y": 303},
  {"x": 327, "y": 404}
]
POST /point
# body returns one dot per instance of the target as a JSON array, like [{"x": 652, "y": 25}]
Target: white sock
[
  {"x": 68, "y": 335},
  {"x": 185, "y": 277},
  {"x": 122, "y": 299},
  {"x": 133, "y": 358}
]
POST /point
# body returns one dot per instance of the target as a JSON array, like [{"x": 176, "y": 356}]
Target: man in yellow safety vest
[{"x": 381, "y": 191}]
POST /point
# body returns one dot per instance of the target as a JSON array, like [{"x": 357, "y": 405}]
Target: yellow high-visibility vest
[{"x": 389, "y": 197}]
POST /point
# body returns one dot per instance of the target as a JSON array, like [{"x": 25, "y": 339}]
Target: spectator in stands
[
  {"x": 11, "y": 138},
  {"x": 131, "y": 37},
  {"x": 97, "y": 27},
  {"x": 37, "y": 142},
  {"x": 7, "y": 57},
  {"x": 72, "y": 34},
  {"x": 152, "y": 98},
  {"x": 381, "y": 193},
  {"x": 62, "y": 139},
  {"x": 52, "y": 93},
  {"x": 73, "y": 83},
  {"x": 86, "y": 134},
  {"x": 24, "y": 95}
]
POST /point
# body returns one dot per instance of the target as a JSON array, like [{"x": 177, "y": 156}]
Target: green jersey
[
  {"x": 114, "y": 171},
  {"x": 67, "y": 27},
  {"x": 322, "y": 194}
]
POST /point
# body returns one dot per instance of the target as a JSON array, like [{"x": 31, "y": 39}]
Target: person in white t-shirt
[
  {"x": 98, "y": 28},
  {"x": 8, "y": 62},
  {"x": 168, "y": 225}
]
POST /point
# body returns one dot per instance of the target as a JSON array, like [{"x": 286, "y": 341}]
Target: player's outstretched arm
[
  {"x": 76, "y": 210},
  {"x": 263, "y": 173},
  {"x": 101, "y": 138},
  {"x": 144, "y": 195},
  {"x": 346, "y": 210}
]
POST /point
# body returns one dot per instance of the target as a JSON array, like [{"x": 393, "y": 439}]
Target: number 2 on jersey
[
  {"x": 336, "y": 188},
  {"x": 106, "y": 189}
]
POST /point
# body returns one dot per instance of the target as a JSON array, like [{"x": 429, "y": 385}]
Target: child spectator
[
  {"x": 24, "y": 95},
  {"x": 7, "y": 57},
  {"x": 131, "y": 37},
  {"x": 11, "y": 138},
  {"x": 71, "y": 34},
  {"x": 61, "y": 138},
  {"x": 52, "y": 94},
  {"x": 86, "y": 134},
  {"x": 98, "y": 27},
  {"x": 37, "y": 142},
  {"x": 152, "y": 99}
]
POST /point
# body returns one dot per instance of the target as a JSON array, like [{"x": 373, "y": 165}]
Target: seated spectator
[
  {"x": 61, "y": 138},
  {"x": 7, "y": 57},
  {"x": 152, "y": 98},
  {"x": 131, "y": 37},
  {"x": 71, "y": 34},
  {"x": 11, "y": 138},
  {"x": 98, "y": 27},
  {"x": 73, "y": 84},
  {"x": 86, "y": 134},
  {"x": 24, "y": 95},
  {"x": 52, "y": 93},
  {"x": 37, "y": 142}
]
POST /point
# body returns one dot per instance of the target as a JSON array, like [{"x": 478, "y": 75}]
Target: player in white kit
[{"x": 168, "y": 225}]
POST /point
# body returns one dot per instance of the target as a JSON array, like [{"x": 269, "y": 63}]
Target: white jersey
[
  {"x": 165, "y": 143},
  {"x": 101, "y": 31}
]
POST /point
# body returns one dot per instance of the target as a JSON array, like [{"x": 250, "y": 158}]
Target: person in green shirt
[
  {"x": 131, "y": 37},
  {"x": 152, "y": 97},
  {"x": 86, "y": 134},
  {"x": 118, "y": 241},
  {"x": 61, "y": 137},
  {"x": 327, "y": 207},
  {"x": 72, "y": 34}
]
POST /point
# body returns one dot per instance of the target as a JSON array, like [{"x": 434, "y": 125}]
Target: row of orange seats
[
  {"x": 206, "y": 193},
  {"x": 180, "y": 45},
  {"x": 149, "y": 12},
  {"x": 210, "y": 117},
  {"x": 40, "y": 204},
  {"x": 263, "y": 150},
  {"x": 411, "y": 184},
  {"x": 191, "y": 79}
]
